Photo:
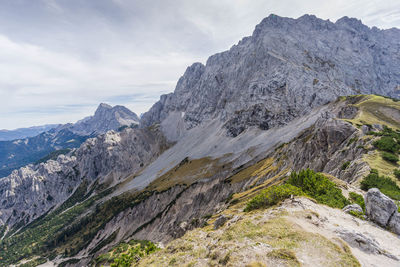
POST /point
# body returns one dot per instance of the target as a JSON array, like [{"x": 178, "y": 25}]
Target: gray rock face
[
  {"x": 32, "y": 190},
  {"x": 379, "y": 208},
  {"x": 352, "y": 207},
  {"x": 320, "y": 148},
  {"x": 105, "y": 118},
  {"x": 287, "y": 67}
]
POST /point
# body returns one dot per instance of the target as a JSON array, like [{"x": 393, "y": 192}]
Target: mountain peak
[
  {"x": 352, "y": 23},
  {"x": 104, "y": 106},
  {"x": 106, "y": 118}
]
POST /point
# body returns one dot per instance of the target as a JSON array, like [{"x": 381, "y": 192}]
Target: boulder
[
  {"x": 363, "y": 242},
  {"x": 352, "y": 207},
  {"x": 394, "y": 223},
  {"x": 379, "y": 208},
  {"x": 359, "y": 241}
]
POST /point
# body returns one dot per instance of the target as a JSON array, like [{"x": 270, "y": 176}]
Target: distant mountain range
[
  {"x": 7, "y": 135},
  {"x": 61, "y": 138}
]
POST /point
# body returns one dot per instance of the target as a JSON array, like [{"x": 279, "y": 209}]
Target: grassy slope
[
  {"x": 371, "y": 112},
  {"x": 259, "y": 238},
  {"x": 187, "y": 172}
]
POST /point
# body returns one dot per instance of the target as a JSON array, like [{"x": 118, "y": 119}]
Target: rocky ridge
[
  {"x": 17, "y": 153},
  {"x": 7, "y": 135},
  {"x": 107, "y": 159}
]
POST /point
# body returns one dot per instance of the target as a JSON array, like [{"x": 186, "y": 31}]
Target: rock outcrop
[
  {"x": 382, "y": 210},
  {"x": 379, "y": 208},
  {"x": 360, "y": 241}
]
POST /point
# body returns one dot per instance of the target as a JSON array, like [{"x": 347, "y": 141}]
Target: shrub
[
  {"x": 128, "y": 253},
  {"x": 390, "y": 157},
  {"x": 319, "y": 187},
  {"x": 396, "y": 173},
  {"x": 386, "y": 185},
  {"x": 352, "y": 140},
  {"x": 387, "y": 143},
  {"x": 358, "y": 199},
  {"x": 284, "y": 254},
  {"x": 357, "y": 214},
  {"x": 345, "y": 165},
  {"x": 272, "y": 196}
]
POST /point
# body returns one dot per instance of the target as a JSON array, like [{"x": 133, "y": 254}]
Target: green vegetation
[
  {"x": 358, "y": 199},
  {"x": 388, "y": 144},
  {"x": 272, "y": 196},
  {"x": 386, "y": 157},
  {"x": 386, "y": 185},
  {"x": 390, "y": 157},
  {"x": 79, "y": 233},
  {"x": 345, "y": 165},
  {"x": 357, "y": 214},
  {"x": 285, "y": 254},
  {"x": 37, "y": 239},
  {"x": 398, "y": 205},
  {"x": 318, "y": 187},
  {"x": 352, "y": 140},
  {"x": 70, "y": 262},
  {"x": 396, "y": 173},
  {"x": 40, "y": 236},
  {"x": 306, "y": 182},
  {"x": 125, "y": 254},
  {"x": 34, "y": 262}
]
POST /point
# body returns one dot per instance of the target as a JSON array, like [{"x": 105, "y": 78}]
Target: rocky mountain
[
  {"x": 286, "y": 68},
  {"x": 236, "y": 133},
  {"x": 105, "y": 118},
  {"x": 7, "y": 135},
  {"x": 59, "y": 140}
]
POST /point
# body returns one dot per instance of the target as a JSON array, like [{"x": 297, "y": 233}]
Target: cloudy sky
[{"x": 60, "y": 58}]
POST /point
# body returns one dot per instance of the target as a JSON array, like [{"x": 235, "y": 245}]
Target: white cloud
[
  {"x": 34, "y": 80},
  {"x": 59, "y": 59}
]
